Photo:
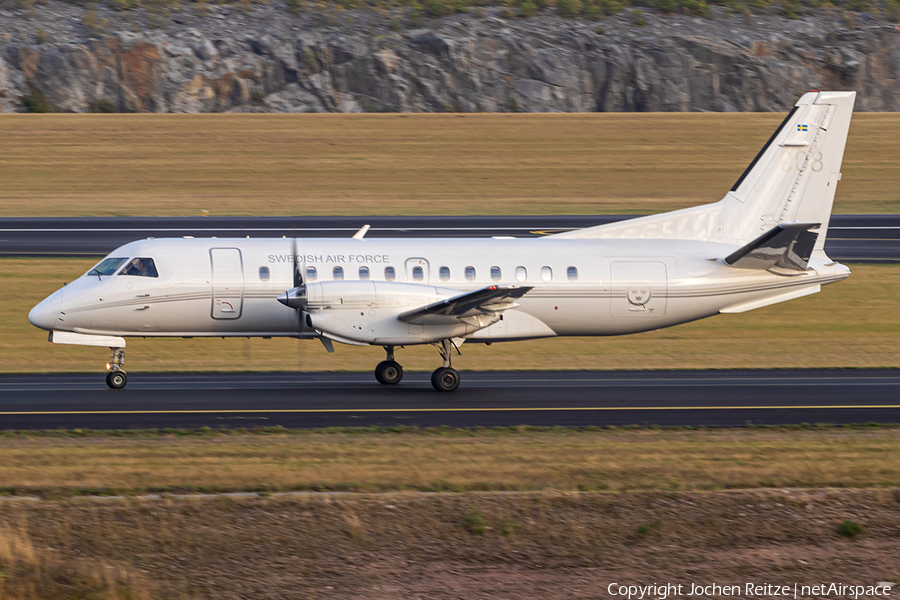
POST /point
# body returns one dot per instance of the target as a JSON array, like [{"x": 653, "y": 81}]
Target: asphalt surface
[
  {"x": 579, "y": 398},
  {"x": 852, "y": 238}
]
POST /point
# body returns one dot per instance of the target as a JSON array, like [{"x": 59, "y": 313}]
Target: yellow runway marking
[
  {"x": 550, "y": 231},
  {"x": 400, "y": 410}
]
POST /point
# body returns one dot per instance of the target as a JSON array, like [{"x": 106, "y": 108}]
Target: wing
[
  {"x": 788, "y": 246},
  {"x": 479, "y": 308}
]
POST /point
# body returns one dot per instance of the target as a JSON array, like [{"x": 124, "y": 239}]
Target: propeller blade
[
  {"x": 298, "y": 276},
  {"x": 296, "y": 297}
]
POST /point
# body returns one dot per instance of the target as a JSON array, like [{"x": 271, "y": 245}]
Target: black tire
[
  {"x": 116, "y": 379},
  {"x": 445, "y": 379},
  {"x": 389, "y": 372}
]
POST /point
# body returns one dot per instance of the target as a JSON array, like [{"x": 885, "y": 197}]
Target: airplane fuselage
[{"x": 228, "y": 287}]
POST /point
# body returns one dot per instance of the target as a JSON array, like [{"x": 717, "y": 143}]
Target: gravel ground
[{"x": 496, "y": 545}]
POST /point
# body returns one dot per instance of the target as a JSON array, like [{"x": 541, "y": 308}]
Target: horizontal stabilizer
[
  {"x": 486, "y": 301},
  {"x": 788, "y": 246}
]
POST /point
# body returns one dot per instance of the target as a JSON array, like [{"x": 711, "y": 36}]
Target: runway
[
  {"x": 859, "y": 238},
  {"x": 486, "y": 399}
]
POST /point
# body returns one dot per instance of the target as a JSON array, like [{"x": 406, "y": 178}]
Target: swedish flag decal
[{"x": 802, "y": 128}]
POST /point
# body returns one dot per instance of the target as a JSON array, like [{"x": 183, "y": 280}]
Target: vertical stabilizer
[
  {"x": 794, "y": 177},
  {"x": 791, "y": 180}
]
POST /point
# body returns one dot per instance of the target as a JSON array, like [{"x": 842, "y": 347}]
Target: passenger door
[{"x": 227, "y": 283}]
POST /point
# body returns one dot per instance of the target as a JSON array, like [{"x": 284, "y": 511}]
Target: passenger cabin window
[
  {"x": 572, "y": 273},
  {"x": 546, "y": 273},
  {"x": 390, "y": 274},
  {"x": 364, "y": 272},
  {"x": 311, "y": 273},
  {"x": 141, "y": 267},
  {"x": 496, "y": 273},
  {"x": 338, "y": 273},
  {"x": 521, "y": 274},
  {"x": 470, "y": 273},
  {"x": 264, "y": 273},
  {"x": 107, "y": 266},
  {"x": 418, "y": 274},
  {"x": 445, "y": 273}
]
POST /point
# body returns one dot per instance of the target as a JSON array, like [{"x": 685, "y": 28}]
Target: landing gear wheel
[
  {"x": 388, "y": 372},
  {"x": 445, "y": 379},
  {"x": 116, "y": 379}
]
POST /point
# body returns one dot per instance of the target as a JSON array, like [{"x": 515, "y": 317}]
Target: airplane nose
[{"x": 44, "y": 315}]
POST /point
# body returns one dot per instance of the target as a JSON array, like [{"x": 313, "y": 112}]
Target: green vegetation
[
  {"x": 174, "y": 165},
  {"x": 414, "y": 10},
  {"x": 473, "y": 522},
  {"x": 102, "y": 106},
  {"x": 645, "y": 529},
  {"x": 849, "y": 529},
  {"x": 892, "y": 9},
  {"x": 35, "y": 102}
]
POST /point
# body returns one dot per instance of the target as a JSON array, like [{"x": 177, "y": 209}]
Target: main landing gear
[
  {"x": 389, "y": 371},
  {"x": 446, "y": 378},
  {"x": 116, "y": 378}
]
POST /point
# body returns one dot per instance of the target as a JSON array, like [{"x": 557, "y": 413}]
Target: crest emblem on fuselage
[{"x": 639, "y": 295}]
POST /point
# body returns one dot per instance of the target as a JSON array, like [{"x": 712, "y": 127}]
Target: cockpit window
[
  {"x": 141, "y": 267},
  {"x": 107, "y": 266}
]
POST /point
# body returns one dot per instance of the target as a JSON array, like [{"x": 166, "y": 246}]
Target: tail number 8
[{"x": 791, "y": 161}]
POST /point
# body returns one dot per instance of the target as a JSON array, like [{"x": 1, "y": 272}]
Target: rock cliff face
[{"x": 267, "y": 60}]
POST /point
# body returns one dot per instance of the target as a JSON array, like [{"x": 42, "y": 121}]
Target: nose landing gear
[
  {"x": 389, "y": 371},
  {"x": 116, "y": 378},
  {"x": 446, "y": 378}
]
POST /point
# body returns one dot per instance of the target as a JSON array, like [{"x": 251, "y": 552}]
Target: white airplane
[{"x": 761, "y": 244}]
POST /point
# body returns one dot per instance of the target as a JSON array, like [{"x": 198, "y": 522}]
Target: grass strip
[
  {"x": 66, "y": 464},
  {"x": 103, "y": 165}
]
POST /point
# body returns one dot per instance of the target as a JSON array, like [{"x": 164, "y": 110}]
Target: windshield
[
  {"x": 140, "y": 267},
  {"x": 107, "y": 266}
]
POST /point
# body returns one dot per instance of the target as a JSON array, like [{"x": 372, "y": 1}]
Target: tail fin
[{"x": 792, "y": 179}]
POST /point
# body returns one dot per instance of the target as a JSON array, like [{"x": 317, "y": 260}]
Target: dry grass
[
  {"x": 33, "y": 573},
  {"x": 855, "y": 323},
  {"x": 517, "y": 459},
  {"x": 61, "y": 165}
]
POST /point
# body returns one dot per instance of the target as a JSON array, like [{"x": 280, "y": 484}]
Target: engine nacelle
[{"x": 366, "y": 312}]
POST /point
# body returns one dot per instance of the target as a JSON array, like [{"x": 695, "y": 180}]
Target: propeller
[
  {"x": 298, "y": 276},
  {"x": 296, "y": 296}
]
